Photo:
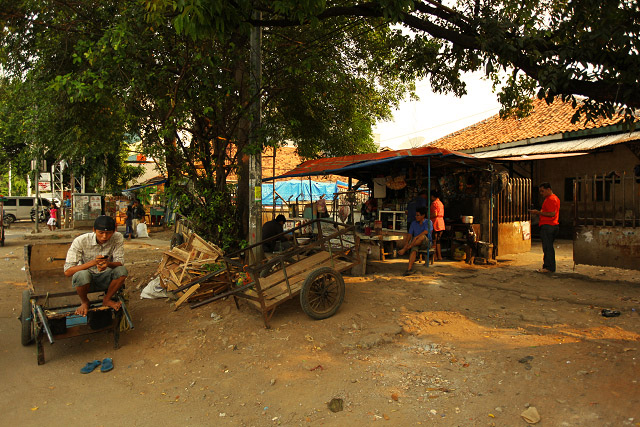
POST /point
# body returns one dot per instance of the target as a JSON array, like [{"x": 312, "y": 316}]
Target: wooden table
[{"x": 385, "y": 236}]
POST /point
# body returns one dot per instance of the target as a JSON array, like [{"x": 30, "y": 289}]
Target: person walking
[
  {"x": 549, "y": 226},
  {"x": 53, "y": 217}
]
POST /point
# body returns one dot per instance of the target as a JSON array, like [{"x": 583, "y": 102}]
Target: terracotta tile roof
[
  {"x": 544, "y": 120},
  {"x": 287, "y": 158}
]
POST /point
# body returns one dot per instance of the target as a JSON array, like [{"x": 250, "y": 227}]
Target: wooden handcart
[
  {"x": 49, "y": 303},
  {"x": 310, "y": 270}
]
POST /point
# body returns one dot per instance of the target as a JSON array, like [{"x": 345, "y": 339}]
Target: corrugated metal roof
[
  {"x": 574, "y": 145},
  {"x": 338, "y": 165}
]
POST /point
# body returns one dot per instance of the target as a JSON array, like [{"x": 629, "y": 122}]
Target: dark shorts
[
  {"x": 422, "y": 246},
  {"x": 98, "y": 281}
]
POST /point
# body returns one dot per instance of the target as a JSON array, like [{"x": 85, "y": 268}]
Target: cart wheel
[
  {"x": 322, "y": 293},
  {"x": 25, "y": 319}
]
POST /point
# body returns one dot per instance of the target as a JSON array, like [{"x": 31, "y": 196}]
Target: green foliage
[
  {"x": 18, "y": 185},
  {"x": 210, "y": 212}
]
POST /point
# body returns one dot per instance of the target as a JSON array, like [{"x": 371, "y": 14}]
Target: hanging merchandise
[
  {"x": 379, "y": 188},
  {"x": 396, "y": 183},
  {"x": 500, "y": 180}
]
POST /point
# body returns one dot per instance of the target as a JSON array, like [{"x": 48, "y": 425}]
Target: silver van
[{"x": 17, "y": 208}]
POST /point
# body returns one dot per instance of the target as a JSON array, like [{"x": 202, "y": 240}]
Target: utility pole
[
  {"x": 37, "y": 203},
  {"x": 255, "y": 161}
]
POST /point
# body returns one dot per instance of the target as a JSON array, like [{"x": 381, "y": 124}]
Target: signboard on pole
[{"x": 44, "y": 182}]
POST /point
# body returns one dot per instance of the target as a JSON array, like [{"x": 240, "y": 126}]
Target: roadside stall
[{"x": 467, "y": 186}]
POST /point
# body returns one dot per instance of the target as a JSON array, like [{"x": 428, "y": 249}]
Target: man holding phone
[
  {"x": 549, "y": 226},
  {"x": 95, "y": 261}
]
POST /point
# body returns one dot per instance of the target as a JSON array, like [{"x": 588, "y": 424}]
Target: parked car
[{"x": 19, "y": 208}]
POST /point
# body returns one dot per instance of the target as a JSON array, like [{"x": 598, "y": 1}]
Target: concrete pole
[
  {"x": 37, "y": 204},
  {"x": 255, "y": 161}
]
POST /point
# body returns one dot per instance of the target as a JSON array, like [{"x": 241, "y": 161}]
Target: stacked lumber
[{"x": 183, "y": 266}]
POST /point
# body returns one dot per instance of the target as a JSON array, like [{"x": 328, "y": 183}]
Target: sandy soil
[{"x": 452, "y": 346}]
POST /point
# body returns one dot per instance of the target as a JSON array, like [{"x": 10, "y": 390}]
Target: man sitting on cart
[
  {"x": 418, "y": 237},
  {"x": 96, "y": 262}
]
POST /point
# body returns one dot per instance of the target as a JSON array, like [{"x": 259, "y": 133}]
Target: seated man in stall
[
  {"x": 273, "y": 228},
  {"x": 418, "y": 238},
  {"x": 95, "y": 261}
]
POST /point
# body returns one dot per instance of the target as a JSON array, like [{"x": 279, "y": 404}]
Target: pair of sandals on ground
[{"x": 105, "y": 366}]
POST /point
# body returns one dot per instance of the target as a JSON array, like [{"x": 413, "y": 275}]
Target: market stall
[{"x": 467, "y": 186}]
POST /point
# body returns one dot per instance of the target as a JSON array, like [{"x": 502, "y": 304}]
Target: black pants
[{"x": 548, "y": 234}]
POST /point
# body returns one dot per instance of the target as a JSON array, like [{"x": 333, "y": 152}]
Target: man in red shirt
[
  {"x": 437, "y": 216},
  {"x": 548, "y": 226}
]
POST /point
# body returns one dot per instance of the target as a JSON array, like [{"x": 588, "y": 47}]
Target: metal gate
[
  {"x": 512, "y": 215},
  {"x": 606, "y": 228}
]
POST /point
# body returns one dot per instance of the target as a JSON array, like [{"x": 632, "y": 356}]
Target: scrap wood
[
  {"x": 184, "y": 297},
  {"x": 183, "y": 270}
]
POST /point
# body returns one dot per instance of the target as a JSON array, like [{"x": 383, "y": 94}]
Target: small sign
[{"x": 257, "y": 197}]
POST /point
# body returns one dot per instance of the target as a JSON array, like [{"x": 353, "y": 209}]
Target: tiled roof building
[{"x": 545, "y": 120}]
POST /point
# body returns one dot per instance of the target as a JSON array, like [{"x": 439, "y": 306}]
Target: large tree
[
  {"x": 587, "y": 50},
  {"x": 183, "y": 85}
]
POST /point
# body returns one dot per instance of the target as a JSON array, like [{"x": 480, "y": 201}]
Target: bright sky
[{"x": 433, "y": 116}]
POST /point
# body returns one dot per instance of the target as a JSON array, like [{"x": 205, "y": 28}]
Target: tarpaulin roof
[
  {"x": 305, "y": 190},
  {"x": 346, "y": 165}
]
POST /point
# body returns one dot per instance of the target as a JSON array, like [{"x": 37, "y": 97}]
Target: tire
[
  {"x": 322, "y": 293},
  {"x": 26, "y": 319},
  {"x": 9, "y": 219},
  {"x": 176, "y": 240}
]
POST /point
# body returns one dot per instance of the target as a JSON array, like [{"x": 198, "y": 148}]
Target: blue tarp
[{"x": 289, "y": 190}]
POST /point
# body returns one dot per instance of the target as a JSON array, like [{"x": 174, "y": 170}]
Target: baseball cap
[{"x": 104, "y": 223}]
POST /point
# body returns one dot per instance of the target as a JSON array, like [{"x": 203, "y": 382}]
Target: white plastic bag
[
  {"x": 153, "y": 290},
  {"x": 142, "y": 230}
]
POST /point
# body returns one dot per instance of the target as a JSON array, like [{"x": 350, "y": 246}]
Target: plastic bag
[{"x": 142, "y": 230}]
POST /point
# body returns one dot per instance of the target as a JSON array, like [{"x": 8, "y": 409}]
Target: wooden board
[
  {"x": 293, "y": 270},
  {"x": 277, "y": 294}
]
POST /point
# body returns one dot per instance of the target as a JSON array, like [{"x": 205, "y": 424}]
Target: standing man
[
  {"x": 418, "y": 237},
  {"x": 138, "y": 216},
  {"x": 135, "y": 213},
  {"x": 419, "y": 202},
  {"x": 548, "y": 226},
  {"x": 95, "y": 261},
  {"x": 437, "y": 216}
]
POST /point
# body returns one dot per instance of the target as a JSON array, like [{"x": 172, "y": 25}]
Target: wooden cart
[
  {"x": 310, "y": 271},
  {"x": 49, "y": 303}
]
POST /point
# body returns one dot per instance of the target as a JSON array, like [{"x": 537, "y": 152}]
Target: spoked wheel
[
  {"x": 26, "y": 319},
  {"x": 322, "y": 293}
]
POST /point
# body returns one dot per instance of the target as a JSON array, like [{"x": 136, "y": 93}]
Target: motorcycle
[{"x": 43, "y": 215}]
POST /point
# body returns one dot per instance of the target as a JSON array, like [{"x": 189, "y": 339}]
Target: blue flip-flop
[
  {"x": 90, "y": 367},
  {"x": 107, "y": 365}
]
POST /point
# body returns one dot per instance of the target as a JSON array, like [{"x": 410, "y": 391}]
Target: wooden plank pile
[{"x": 182, "y": 266}]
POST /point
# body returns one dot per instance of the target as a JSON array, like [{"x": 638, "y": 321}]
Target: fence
[
  {"x": 514, "y": 201},
  {"x": 607, "y": 200}
]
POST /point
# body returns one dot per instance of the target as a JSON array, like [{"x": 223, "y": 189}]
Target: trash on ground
[
  {"x": 531, "y": 415},
  {"x": 336, "y": 405}
]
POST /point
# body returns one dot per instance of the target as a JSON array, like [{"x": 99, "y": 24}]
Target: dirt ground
[{"x": 455, "y": 345}]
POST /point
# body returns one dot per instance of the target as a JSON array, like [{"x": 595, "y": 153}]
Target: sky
[{"x": 416, "y": 123}]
